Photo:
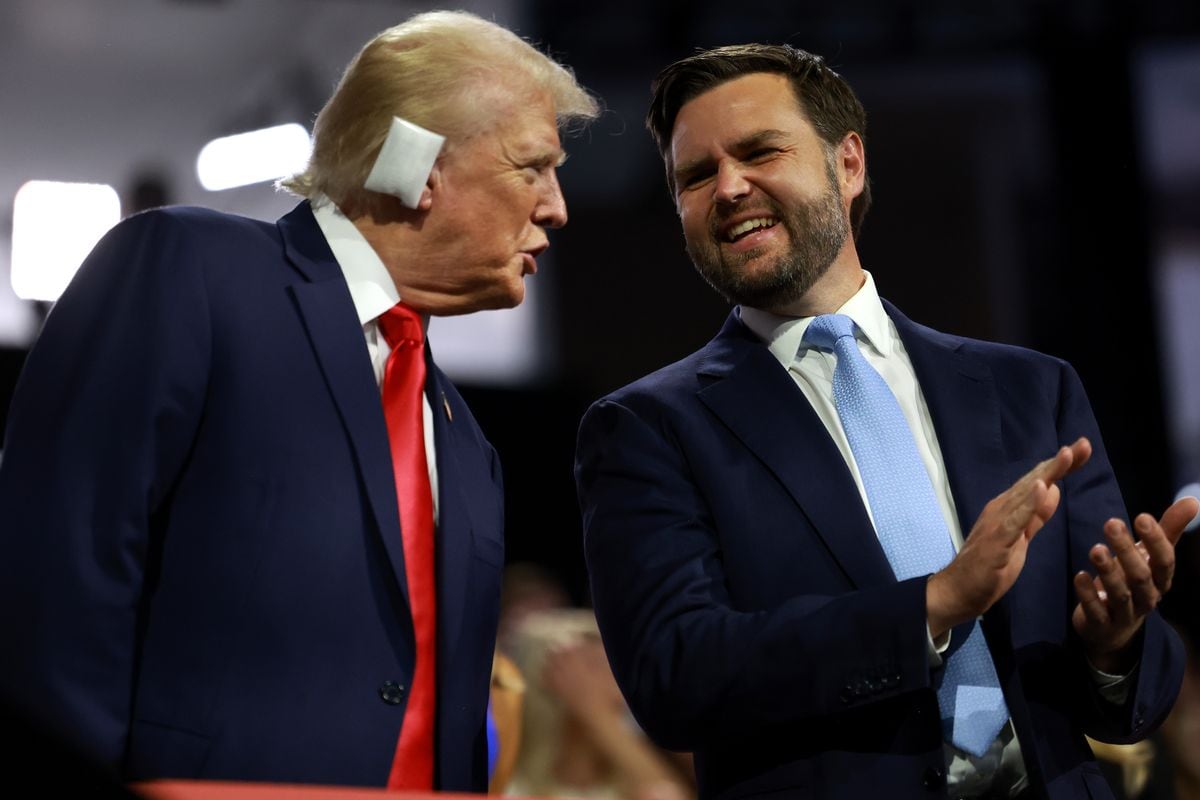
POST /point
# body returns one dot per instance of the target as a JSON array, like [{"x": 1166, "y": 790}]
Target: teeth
[{"x": 749, "y": 225}]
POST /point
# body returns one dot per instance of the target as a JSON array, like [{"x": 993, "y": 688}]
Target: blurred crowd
[{"x": 557, "y": 709}]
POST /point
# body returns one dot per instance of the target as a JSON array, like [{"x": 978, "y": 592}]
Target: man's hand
[
  {"x": 994, "y": 553},
  {"x": 1131, "y": 577}
]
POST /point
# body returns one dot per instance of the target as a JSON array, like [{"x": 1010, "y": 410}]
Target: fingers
[
  {"x": 1175, "y": 518},
  {"x": 1094, "y": 609},
  {"x": 1044, "y": 510},
  {"x": 1081, "y": 451},
  {"x": 1051, "y": 469},
  {"x": 1157, "y": 549},
  {"x": 1111, "y": 587},
  {"x": 1068, "y": 459},
  {"x": 1135, "y": 568},
  {"x": 1034, "y": 492},
  {"x": 1020, "y": 507}
]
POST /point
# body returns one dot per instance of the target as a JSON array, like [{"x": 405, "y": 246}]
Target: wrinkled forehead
[
  {"x": 487, "y": 103},
  {"x": 517, "y": 127}
]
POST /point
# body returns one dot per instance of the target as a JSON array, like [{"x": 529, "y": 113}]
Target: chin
[
  {"x": 513, "y": 294},
  {"x": 515, "y": 298},
  {"x": 509, "y": 297}
]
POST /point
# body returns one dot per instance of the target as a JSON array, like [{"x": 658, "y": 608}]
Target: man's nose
[
  {"x": 731, "y": 184},
  {"x": 551, "y": 210}
]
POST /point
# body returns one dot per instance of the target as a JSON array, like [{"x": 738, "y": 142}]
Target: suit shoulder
[
  {"x": 675, "y": 378},
  {"x": 997, "y": 355},
  {"x": 215, "y": 228},
  {"x": 1017, "y": 363},
  {"x": 667, "y": 387}
]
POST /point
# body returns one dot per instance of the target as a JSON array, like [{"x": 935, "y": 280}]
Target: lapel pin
[{"x": 446, "y": 405}]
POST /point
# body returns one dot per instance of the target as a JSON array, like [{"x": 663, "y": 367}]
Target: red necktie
[{"x": 403, "y": 385}]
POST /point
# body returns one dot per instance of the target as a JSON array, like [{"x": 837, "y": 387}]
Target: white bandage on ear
[{"x": 405, "y": 161}]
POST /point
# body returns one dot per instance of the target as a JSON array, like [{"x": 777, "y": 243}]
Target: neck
[
  {"x": 840, "y": 282},
  {"x": 392, "y": 234}
]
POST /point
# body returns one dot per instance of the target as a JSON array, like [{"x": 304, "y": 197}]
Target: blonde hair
[
  {"x": 544, "y": 716},
  {"x": 429, "y": 70}
]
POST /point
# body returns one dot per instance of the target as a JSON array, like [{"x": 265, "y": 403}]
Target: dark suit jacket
[
  {"x": 751, "y": 616},
  {"x": 202, "y": 571}
]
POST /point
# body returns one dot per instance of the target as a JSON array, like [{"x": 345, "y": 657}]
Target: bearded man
[{"x": 836, "y": 553}]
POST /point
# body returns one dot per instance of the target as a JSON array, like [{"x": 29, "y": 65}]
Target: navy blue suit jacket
[
  {"x": 202, "y": 572},
  {"x": 750, "y": 613}
]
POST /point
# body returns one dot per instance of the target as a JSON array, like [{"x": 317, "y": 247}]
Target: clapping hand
[{"x": 1131, "y": 577}]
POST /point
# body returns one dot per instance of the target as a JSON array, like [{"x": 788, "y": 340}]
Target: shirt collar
[
  {"x": 784, "y": 336},
  {"x": 371, "y": 286}
]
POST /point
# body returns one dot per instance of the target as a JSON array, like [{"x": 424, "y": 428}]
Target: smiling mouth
[{"x": 747, "y": 227}]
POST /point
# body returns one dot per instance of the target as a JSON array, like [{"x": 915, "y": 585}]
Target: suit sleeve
[
  {"x": 690, "y": 663},
  {"x": 1091, "y": 497},
  {"x": 101, "y": 421}
]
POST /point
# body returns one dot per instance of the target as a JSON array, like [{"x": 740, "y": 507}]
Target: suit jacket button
[
  {"x": 934, "y": 778},
  {"x": 392, "y": 693}
]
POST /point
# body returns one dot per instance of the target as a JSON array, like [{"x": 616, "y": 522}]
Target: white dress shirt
[
  {"x": 373, "y": 292},
  {"x": 812, "y": 369}
]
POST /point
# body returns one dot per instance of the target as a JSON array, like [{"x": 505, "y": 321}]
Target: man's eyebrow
[
  {"x": 549, "y": 159},
  {"x": 759, "y": 138},
  {"x": 743, "y": 145}
]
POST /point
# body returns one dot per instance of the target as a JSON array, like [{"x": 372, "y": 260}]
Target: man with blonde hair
[{"x": 251, "y": 531}]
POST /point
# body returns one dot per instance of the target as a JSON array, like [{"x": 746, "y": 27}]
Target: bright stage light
[
  {"x": 253, "y": 157},
  {"x": 55, "y": 226}
]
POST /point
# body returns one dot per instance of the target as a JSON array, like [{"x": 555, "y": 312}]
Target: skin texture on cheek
[
  {"x": 742, "y": 150},
  {"x": 486, "y": 221},
  {"x": 816, "y": 232}
]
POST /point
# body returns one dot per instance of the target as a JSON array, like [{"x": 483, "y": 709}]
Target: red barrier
[{"x": 223, "y": 790}]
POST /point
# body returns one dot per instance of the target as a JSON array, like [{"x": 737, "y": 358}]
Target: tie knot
[
  {"x": 825, "y": 330},
  {"x": 401, "y": 324}
]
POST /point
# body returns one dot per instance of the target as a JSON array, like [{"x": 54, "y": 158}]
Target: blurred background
[{"x": 1036, "y": 170}]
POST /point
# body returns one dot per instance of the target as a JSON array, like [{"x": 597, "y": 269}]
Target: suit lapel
[
  {"x": 961, "y": 395},
  {"x": 454, "y": 529},
  {"x": 760, "y": 403},
  {"x": 329, "y": 318}
]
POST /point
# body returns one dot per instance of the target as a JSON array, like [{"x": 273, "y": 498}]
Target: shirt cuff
[
  {"x": 934, "y": 649},
  {"x": 1113, "y": 688}
]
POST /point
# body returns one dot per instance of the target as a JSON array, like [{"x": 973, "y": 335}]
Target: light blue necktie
[{"x": 909, "y": 523}]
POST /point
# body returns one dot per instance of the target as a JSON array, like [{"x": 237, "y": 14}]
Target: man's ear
[
  {"x": 852, "y": 165},
  {"x": 432, "y": 187}
]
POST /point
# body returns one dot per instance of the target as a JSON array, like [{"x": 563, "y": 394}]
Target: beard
[{"x": 817, "y": 231}]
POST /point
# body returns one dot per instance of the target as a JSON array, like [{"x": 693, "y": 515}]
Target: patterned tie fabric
[
  {"x": 403, "y": 386},
  {"x": 909, "y": 524}
]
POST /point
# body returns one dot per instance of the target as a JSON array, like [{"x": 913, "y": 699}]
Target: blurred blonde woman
[{"x": 578, "y": 739}]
